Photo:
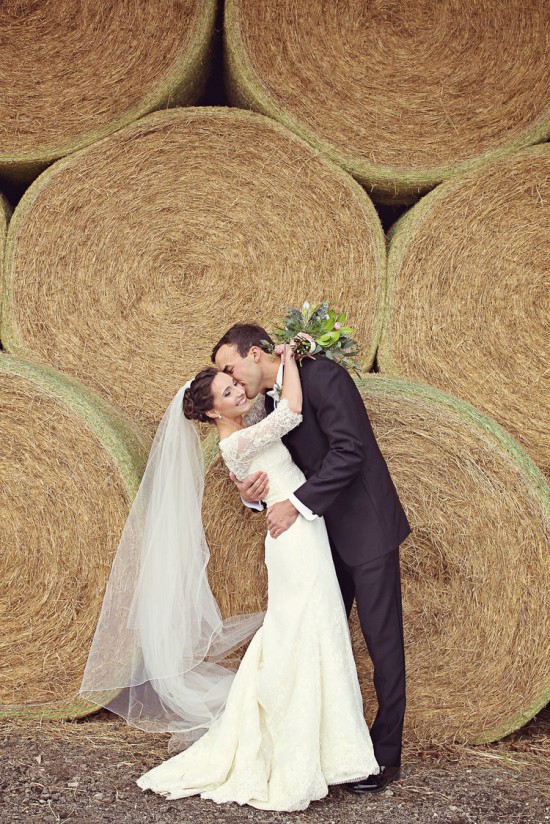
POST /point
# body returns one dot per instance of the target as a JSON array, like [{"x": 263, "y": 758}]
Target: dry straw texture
[
  {"x": 5, "y": 212},
  {"x": 70, "y": 466},
  {"x": 403, "y": 93},
  {"x": 468, "y": 293},
  {"x": 475, "y": 569},
  {"x": 92, "y": 67},
  {"x": 127, "y": 261}
]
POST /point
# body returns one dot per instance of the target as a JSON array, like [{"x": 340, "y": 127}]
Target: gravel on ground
[{"x": 84, "y": 772}]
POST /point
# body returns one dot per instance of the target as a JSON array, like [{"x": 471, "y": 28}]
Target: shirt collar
[{"x": 275, "y": 393}]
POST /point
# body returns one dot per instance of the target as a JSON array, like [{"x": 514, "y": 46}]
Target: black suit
[{"x": 348, "y": 482}]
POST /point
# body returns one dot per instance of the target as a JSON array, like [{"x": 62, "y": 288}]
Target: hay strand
[
  {"x": 475, "y": 569},
  {"x": 467, "y": 307},
  {"x": 70, "y": 467},
  {"x": 401, "y": 94},
  {"x": 127, "y": 261},
  {"x": 91, "y": 68}
]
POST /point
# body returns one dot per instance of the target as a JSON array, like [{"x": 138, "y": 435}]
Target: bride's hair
[{"x": 198, "y": 398}]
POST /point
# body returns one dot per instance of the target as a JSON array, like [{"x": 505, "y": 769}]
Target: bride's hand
[{"x": 287, "y": 353}]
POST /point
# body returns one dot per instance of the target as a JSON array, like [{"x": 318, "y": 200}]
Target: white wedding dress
[{"x": 293, "y": 722}]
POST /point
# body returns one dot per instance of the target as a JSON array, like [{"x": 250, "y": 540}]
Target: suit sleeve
[{"x": 340, "y": 414}]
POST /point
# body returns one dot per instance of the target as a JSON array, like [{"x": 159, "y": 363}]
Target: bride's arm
[
  {"x": 291, "y": 392},
  {"x": 292, "y": 387},
  {"x": 238, "y": 449}
]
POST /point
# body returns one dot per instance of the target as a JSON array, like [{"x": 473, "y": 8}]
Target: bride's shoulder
[{"x": 223, "y": 442}]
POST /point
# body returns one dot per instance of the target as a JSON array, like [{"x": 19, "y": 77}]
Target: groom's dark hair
[{"x": 242, "y": 336}]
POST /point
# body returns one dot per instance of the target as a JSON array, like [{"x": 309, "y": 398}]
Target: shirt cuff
[
  {"x": 302, "y": 508},
  {"x": 257, "y": 505}
]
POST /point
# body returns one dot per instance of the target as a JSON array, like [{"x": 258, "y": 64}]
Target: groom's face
[{"x": 246, "y": 371}]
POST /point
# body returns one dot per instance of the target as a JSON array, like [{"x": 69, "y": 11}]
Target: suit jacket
[{"x": 348, "y": 481}]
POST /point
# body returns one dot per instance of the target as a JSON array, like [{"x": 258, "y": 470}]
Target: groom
[{"x": 348, "y": 483}]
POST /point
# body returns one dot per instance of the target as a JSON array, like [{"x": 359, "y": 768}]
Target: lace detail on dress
[{"x": 239, "y": 449}]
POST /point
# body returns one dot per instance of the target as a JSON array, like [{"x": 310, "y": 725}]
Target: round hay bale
[
  {"x": 70, "y": 467},
  {"x": 467, "y": 306},
  {"x": 401, "y": 94},
  {"x": 127, "y": 261},
  {"x": 475, "y": 568},
  {"x": 91, "y": 68}
]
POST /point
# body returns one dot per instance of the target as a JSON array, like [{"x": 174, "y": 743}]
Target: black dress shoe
[{"x": 374, "y": 783}]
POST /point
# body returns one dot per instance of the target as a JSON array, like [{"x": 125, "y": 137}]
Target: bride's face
[
  {"x": 229, "y": 397},
  {"x": 246, "y": 371}
]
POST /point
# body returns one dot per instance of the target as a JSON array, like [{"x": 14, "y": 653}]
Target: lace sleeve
[{"x": 240, "y": 447}]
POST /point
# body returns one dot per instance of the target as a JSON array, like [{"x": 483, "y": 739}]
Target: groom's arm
[
  {"x": 253, "y": 489},
  {"x": 342, "y": 417}
]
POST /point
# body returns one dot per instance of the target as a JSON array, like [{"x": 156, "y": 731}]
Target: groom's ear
[{"x": 255, "y": 353}]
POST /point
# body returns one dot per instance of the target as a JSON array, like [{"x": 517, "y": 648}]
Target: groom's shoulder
[
  {"x": 320, "y": 363},
  {"x": 321, "y": 369}
]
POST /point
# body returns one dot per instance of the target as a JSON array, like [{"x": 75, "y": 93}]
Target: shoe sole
[{"x": 374, "y": 789}]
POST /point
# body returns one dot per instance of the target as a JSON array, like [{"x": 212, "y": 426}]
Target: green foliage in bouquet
[{"x": 316, "y": 329}]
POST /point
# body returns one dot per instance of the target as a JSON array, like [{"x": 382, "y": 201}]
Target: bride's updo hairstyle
[{"x": 198, "y": 398}]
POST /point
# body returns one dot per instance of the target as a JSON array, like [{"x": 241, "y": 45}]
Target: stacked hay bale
[
  {"x": 70, "y": 468},
  {"x": 467, "y": 307},
  {"x": 475, "y": 570},
  {"x": 401, "y": 94},
  {"x": 126, "y": 261},
  {"x": 91, "y": 68}
]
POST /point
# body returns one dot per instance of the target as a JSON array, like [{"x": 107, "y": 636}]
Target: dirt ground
[{"x": 84, "y": 772}]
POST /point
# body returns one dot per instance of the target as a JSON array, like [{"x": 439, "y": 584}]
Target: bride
[{"x": 290, "y": 721}]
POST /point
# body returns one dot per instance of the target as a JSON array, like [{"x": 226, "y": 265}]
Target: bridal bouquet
[{"x": 316, "y": 328}]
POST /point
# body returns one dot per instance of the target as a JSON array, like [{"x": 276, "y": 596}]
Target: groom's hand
[
  {"x": 280, "y": 517},
  {"x": 252, "y": 489}
]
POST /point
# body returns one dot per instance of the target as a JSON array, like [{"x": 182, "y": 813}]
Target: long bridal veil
[{"x": 161, "y": 650}]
